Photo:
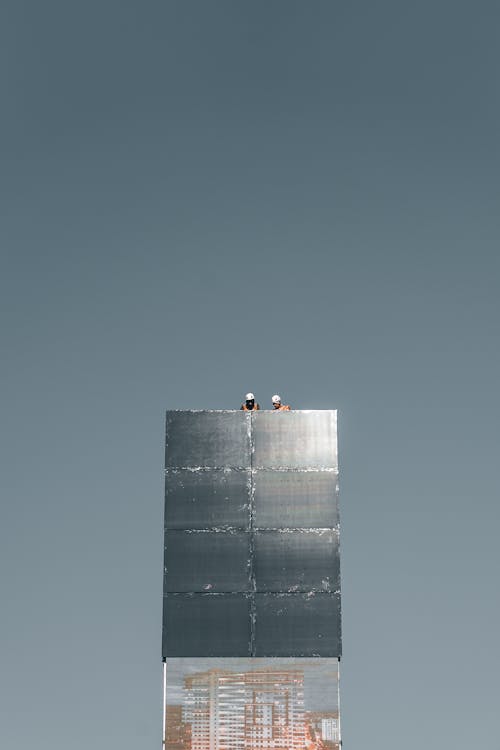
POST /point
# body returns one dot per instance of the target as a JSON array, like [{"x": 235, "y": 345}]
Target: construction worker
[
  {"x": 277, "y": 405},
  {"x": 250, "y": 403}
]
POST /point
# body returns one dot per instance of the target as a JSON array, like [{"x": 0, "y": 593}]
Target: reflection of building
[
  {"x": 330, "y": 730},
  {"x": 258, "y": 710},
  {"x": 322, "y": 728},
  {"x": 176, "y": 732}
]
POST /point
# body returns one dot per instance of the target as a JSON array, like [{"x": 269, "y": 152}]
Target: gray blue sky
[{"x": 198, "y": 199}]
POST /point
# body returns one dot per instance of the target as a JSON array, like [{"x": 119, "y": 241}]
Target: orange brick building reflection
[{"x": 257, "y": 710}]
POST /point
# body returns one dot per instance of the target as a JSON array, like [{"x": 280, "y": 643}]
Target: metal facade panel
[
  {"x": 304, "y": 499},
  {"x": 295, "y": 439},
  {"x": 297, "y": 560},
  {"x": 297, "y": 625},
  {"x": 211, "y": 439},
  {"x": 215, "y": 561},
  {"x": 206, "y": 625},
  {"x": 207, "y": 498}
]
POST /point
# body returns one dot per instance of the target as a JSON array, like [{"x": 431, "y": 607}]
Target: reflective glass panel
[{"x": 251, "y": 704}]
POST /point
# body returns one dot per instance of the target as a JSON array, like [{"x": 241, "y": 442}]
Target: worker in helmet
[
  {"x": 277, "y": 405},
  {"x": 250, "y": 403}
]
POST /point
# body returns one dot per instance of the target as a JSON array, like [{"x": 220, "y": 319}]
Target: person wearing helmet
[
  {"x": 277, "y": 405},
  {"x": 250, "y": 404}
]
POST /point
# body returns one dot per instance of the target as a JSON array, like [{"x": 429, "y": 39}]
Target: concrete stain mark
[{"x": 214, "y": 530}]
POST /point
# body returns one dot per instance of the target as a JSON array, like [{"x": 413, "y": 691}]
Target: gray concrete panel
[
  {"x": 207, "y": 498},
  {"x": 211, "y": 439},
  {"x": 211, "y": 561},
  {"x": 305, "y": 499},
  {"x": 298, "y": 625},
  {"x": 206, "y": 625},
  {"x": 295, "y": 439},
  {"x": 297, "y": 560}
]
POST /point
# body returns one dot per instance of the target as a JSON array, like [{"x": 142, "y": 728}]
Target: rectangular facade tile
[
  {"x": 297, "y": 625},
  {"x": 212, "y": 561},
  {"x": 287, "y": 499},
  {"x": 206, "y": 625},
  {"x": 207, "y": 498},
  {"x": 297, "y": 560},
  {"x": 210, "y": 439},
  {"x": 300, "y": 440}
]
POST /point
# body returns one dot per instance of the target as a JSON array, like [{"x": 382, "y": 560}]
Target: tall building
[
  {"x": 251, "y": 571},
  {"x": 176, "y": 737},
  {"x": 257, "y": 710},
  {"x": 323, "y": 729},
  {"x": 330, "y": 729}
]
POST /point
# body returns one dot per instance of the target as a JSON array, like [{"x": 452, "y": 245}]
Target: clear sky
[{"x": 204, "y": 198}]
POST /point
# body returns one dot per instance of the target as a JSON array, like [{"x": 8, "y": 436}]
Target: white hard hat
[
  {"x": 276, "y": 399},
  {"x": 249, "y": 397}
]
